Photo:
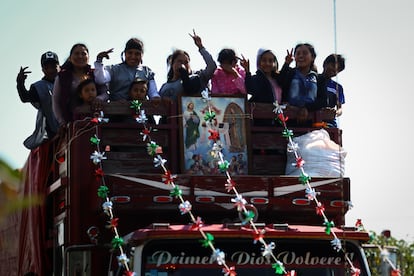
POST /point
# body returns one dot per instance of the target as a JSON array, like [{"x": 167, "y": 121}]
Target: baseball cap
[{"x": 49, "y": 56}]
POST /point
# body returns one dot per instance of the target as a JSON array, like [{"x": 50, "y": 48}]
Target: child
[
  {"x": 264, "y": 86},
  {"x": 228, "y": 77},
  {"x": 40, "y": 95},
  {"x": 120, "y": 76},
  {"x": 332, "y": 65},
  {"x": 181, "y": 80},
  {"x": 87, "y": 91},
  {"x": 138, "y": 90},
  {"x": 300, "y": 83}
]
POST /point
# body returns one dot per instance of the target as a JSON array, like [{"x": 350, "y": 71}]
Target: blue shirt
[{"x": 303, "y": 89}]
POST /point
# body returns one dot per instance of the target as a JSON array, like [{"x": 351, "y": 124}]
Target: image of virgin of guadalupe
[
  {"x": 234, "y": 118},
  {"x": 191, "y": 125}
]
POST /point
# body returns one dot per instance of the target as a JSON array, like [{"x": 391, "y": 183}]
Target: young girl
[
  {"x": 138, "y": 90},
  {"x": 120, "y": 76},
  {"x": 228, "y": 77},
  {"x": 300, "y": 82},
  {"x": 181, "y": 80},
  {"x": 87, "y": 91},
  {"x": 264, "y": 86}
]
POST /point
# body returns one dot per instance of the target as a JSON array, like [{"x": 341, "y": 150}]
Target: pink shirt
[
  {"x": 224, "y": 83},
  {"x": 277, "y": 91}
]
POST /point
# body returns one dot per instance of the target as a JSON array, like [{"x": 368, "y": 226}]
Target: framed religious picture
[{"x": 229, "y": 122}]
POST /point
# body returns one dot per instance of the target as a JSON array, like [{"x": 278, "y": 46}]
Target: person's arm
[
  {"x": 206, "y": 74},
  {"x": 152, "y": 85},
  {"x": 321, "y": 97},
  {"x": 239, "y": 80},
  {"x": 24, "y": 94},
  {"x": 211, "y": 66},
  {"x": 152, "y": 90},
  {"x": 101, "y": 73},
  {"x": 340, "y": 100}
]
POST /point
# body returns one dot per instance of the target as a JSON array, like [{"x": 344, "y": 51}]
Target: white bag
[{"x": 322, "y": 156}]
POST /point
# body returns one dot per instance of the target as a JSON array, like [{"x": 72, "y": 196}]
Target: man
[{"x": 40, "y": 96}]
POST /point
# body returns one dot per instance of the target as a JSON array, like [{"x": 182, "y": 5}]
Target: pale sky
[{"x": 374, "y": 36}]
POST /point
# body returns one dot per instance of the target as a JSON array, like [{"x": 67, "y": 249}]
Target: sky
[{"x": 376, "y": 38}]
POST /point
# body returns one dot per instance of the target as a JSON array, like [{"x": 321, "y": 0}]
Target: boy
[
  {"x": 40, "y": 96},
  {"x": 138, "y": 90},
  {"x": 332, "y": 65}
]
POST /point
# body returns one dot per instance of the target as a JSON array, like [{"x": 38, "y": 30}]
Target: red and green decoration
[
  {"x": 310, "y": 192},
  {"x": 185, "y": 207},
  {"x": 96, "y": 157}
]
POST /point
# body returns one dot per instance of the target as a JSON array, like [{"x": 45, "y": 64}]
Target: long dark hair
[
  {"x": 68, "y": 66},
  {"x": 66, "y": 78},
  {"x": 174, "y": 56},
  {"x": 311, "y": 50}
]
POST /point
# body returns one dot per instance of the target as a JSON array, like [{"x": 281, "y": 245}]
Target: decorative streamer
[
  {"x": 311, "y": 194},
  {"x": 185, "y": 206}
]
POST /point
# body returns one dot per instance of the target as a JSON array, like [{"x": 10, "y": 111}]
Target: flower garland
[
  {"x": 185, "y": 206},
  {"x": 311, "y": 193},
  {"x": 168, "y": 178},
  {"x": 97, "y": 156},
  {"x": 230, "y": 186}
]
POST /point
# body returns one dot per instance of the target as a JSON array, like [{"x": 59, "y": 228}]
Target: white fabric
[{"x": 322, "y": 156}]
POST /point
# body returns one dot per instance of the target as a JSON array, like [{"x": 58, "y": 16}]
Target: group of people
[{"x": 75, "y": 82}]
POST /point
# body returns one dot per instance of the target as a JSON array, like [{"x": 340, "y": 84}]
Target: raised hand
[
  {"x": 289, "y": 56},
  {"x": 245, "y": 63},
  {"x": 22, "y": 75},
  {"x": 197, "y": 40},
  {"x": 104, "y": 54}
]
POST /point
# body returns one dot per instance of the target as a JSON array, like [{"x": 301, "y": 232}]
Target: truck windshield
[{"x": 306, "y": 257}]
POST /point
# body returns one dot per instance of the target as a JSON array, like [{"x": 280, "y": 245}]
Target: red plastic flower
[
  {"x": 282, "y": 117},
  {"x": 99, "y": 173},
  {"x": 168, "y": 178},
  {"x": 230, "y": 184},
  {"x": 257, "y": 236},
  {"x": 299, "y": 162},
  {"x": 214, "y": 135},
  {"x": 320, "y": 209},
  {"x": 197, "y": 224},
  {"x": 113, "y": 223},
  {"x": 229, "y": 271}
]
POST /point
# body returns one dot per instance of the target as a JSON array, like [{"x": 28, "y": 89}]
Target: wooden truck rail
[
  {"x": 137, "y": 190},
  {"x": 133, "y": 179}
]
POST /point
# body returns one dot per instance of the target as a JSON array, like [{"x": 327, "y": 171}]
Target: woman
[
  {"x": 191, "y": 123},
  {"x": 119, "y": 77},
  {"x": 181, "y": 80},
  {"x": 73, "y": 72}
]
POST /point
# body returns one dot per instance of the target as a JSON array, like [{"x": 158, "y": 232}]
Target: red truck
[{"x": 72, "y": 233}]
